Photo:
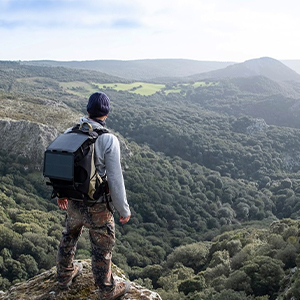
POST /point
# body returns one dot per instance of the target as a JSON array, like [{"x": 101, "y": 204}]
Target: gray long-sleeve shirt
[{"x": 107, "y": 161}]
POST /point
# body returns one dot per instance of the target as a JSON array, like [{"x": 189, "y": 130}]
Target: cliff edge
[{"x": 44, "y": 287}]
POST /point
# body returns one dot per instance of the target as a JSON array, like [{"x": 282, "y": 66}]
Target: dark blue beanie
[{"x": 98, "y": 105}]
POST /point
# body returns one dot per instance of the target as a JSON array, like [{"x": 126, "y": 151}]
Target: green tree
[
  {"x": 193, "y": 256},
  {"x": 265, "y": 274},
  {"x": 196, "y": 283},
  {"x": 239, "y": 281},
  {"x": 29, "y": 265}
]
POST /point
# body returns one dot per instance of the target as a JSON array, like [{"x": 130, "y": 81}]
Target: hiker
[{"x": 98, "y": 218}]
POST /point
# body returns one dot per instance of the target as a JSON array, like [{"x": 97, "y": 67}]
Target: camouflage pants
[{"x": 100, "y": 222}]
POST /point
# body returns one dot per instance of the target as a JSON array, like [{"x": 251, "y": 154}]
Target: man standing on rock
[{"x": 97, "y": 218}]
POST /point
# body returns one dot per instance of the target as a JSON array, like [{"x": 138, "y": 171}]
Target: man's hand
[
  {"x": 62, "y": 203},
  {"x": 124, "y": 220}
]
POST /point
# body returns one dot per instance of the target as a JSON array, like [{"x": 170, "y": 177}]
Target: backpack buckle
[{"x": 86, "y": 123}]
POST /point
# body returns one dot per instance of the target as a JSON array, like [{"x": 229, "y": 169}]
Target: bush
[
  {"x": 193, "y": 256},
  {"x": 265, "y": 274},
  {"x": 239, "y": 281},
  {"x": 231, "y": 295},
  {"x": 196, "y": 283}
]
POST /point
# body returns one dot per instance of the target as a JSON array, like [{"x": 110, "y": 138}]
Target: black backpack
[{"x": 69, "y": 165}]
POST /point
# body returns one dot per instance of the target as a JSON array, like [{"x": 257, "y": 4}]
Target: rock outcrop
[
  {"x": 44, "y": 287},
  {"x": 26, "y": 139}
]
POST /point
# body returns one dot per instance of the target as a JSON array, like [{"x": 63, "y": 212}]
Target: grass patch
[
  {"x": 79, "y": 88},
  {"x": 178, "y": 88},
  {"x": 204, "y": 83},
  {"x": 85, "y": 89},
  {"x": 172, "y": 91},
  {"x": 141, "y": 88}
]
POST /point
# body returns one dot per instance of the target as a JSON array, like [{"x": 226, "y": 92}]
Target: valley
[{"x": 211, "y": 167}]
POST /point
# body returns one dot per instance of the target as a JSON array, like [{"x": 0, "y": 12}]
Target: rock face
[
  {"x": 44, "y": 287},
  {"x": 26, "y": 139}
]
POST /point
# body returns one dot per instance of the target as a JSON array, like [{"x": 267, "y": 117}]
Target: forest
[{"x": 211, "y": 172}]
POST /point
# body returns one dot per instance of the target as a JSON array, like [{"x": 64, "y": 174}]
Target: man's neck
[{"x": 100, "y": 120}]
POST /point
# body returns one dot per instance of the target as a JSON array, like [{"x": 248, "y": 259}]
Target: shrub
[{"x": 197, "y": 283}]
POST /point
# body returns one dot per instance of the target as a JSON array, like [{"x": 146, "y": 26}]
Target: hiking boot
[
  {"x": 67, "y": 281},
  {"x": 120, "y": 289}
]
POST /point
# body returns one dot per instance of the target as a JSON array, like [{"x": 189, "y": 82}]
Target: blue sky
[{"x": 218, "y": 30}]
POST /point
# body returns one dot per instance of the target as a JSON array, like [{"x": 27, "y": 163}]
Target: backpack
[{"x": 69, "y": 165}]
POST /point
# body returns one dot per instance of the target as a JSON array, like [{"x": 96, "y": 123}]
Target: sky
[{"x": 205, "y": 30}]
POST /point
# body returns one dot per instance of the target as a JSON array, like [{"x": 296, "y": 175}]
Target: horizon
[
  {"x": 142, "y": 59},
  {"x": 76, "y": 30}
]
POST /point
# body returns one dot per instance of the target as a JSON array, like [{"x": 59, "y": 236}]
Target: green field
[
  {"x": 182, "y": 87},
  {"x": 141, "y": 88},
  {"x": 172, "y": 91},
  {"x": 79, "y": 88}
]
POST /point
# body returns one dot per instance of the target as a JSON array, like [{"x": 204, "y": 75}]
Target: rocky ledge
[
  {"x": 44, "y": 287},
  {"x": 26, "y": 139}
]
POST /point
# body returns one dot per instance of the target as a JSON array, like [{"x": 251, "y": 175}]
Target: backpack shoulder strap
[
  {"x": 102, "y": 130},
  {"x": 75, "y": 127},
  {"x": 94, "y": 133}
]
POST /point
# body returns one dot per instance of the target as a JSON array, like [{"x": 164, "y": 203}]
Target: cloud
[
  {"x": 206, "y": 30},
  {"x": 6, "y": 24},
  {"x": 32, "y": 5},
  {"x": 68, "y": 14},
  {"x": 126, "y": 23}
]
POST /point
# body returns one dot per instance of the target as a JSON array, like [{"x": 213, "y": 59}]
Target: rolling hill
[
  {"x": 153, "y": 69},
  {"x": 265, "y": 66},
  {"x": 146, "y": 69}
]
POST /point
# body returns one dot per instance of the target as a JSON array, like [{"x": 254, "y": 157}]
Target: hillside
[
  {"x": 257, "y": 97},
  {"x": 233, "y": 266},
  {"x": 264, "y": 66},
  {"x": 151, "y": 69},
  {"x": 204, "y": 177},
  {"x": 140, "y": 69}
]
